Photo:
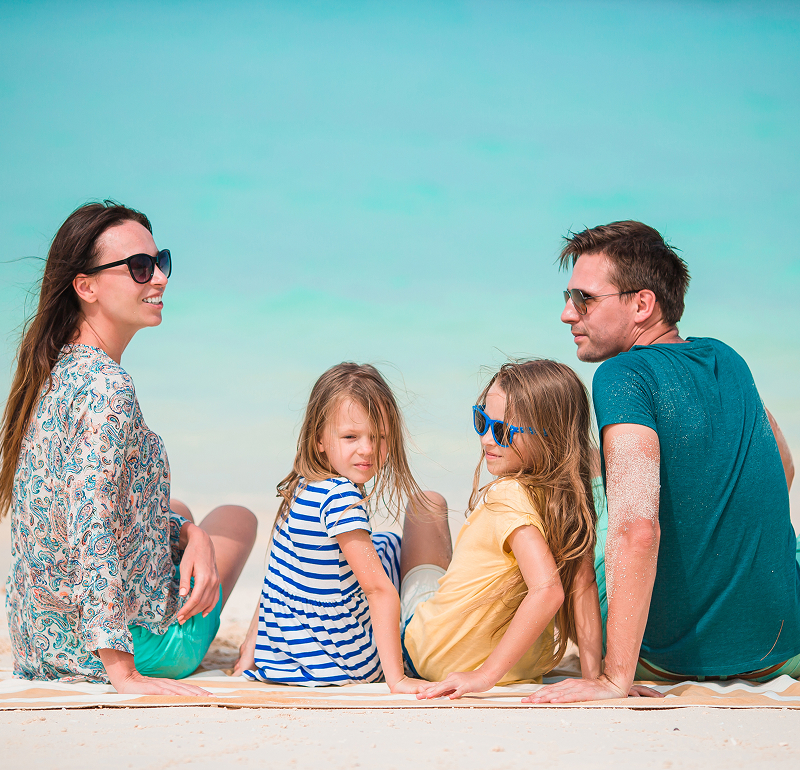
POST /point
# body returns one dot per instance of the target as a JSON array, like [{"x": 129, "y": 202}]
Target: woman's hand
[
  {"x": 198, "y": 562},
  {"x": 409, "y": 686},
  {"x": 457, "y": 684},
  {"x": 125, "y": 679}
]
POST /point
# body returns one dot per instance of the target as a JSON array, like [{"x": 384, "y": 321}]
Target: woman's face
[
  {"x": 112, "y": 297},
  {"x": 499, "y": 460}
]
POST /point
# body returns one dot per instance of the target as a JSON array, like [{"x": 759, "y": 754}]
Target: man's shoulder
[
  {"x": 654, "y": 358},
  {"x": 622, "y": 368}
]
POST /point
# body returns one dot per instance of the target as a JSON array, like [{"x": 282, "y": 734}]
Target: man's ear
[
  {"x": 647, "y": 307},
  {"x": 84, "y": 286}
]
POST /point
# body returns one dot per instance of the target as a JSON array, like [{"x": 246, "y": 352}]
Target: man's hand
[
  {"x": 198, "y": 562},
  {"x": 457, "y": 684},
  {"x": 579, "y": 690}
]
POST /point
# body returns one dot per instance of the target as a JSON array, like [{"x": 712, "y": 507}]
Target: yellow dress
[{"x": 449, "y": 632}]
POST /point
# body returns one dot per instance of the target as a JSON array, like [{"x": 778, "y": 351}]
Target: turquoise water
[{"x": 389, "y": 183}]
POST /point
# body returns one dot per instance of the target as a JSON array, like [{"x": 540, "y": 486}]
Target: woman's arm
[
  {"x": 545, "y": 596},
  {"x": 588, "y": 625},
  {"x": 94, "y": 496},
  {"x": 198, "y": 562},
  {"x": 384, "y": 606}
]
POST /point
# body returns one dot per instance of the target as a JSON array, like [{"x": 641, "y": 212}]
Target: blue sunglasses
[{"x": 502, "y": 432}]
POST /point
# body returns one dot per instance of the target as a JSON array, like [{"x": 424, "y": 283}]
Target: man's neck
[{"x": 658, "y": 334}]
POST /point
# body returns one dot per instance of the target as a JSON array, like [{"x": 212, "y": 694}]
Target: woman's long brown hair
[
  {"x": 54, "y": 325},
  {"x": 363, "y": 385},
  {"x": 556, "y": 474}
]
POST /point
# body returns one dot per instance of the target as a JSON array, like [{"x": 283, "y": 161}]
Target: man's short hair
[{"x": 640, "y": 259}]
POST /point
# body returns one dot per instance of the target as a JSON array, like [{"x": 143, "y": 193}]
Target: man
[{"x": 702, "y": 572}]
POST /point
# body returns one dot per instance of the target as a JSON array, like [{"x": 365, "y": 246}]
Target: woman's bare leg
[
  {"x": 179, "y": 507},
  {"x": 232, "y": 529},
  {"x": 426, "y": 533}
]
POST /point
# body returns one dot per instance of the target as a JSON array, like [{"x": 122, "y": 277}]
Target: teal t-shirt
[{"x": 726, "y": 598}]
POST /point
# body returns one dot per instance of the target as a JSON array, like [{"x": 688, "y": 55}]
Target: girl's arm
[
  {"x": 545, "y": 596},
  {"x": 588, "y": 624},
  {"x": 247, "y": 649},
  {"x": 384, "y": 606}
]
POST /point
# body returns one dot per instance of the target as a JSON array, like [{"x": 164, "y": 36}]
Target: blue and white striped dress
[{"x": 314, "y": 626}]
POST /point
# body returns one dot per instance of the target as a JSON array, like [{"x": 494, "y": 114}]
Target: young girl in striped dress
[{"x": 329, "y": 609}]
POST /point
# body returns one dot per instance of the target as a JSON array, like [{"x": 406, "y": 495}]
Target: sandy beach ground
[{"x": 391, "y": 738}]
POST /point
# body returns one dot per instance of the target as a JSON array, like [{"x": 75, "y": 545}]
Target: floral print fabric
[{"x": 93, "y": 542}]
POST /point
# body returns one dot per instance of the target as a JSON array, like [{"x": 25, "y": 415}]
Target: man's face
[{"x": 608, "y": 326}]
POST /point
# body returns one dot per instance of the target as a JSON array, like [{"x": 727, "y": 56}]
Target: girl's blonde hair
[
  {"x": 556, "y": 474},
  {"x": 363, "y": 385}
]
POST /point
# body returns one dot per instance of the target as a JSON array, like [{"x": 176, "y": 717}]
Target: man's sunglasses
[
  {"x": 502, "y": 432},
  {"x": 579, "y": 298},
  {"x": 142, "y": 267}
]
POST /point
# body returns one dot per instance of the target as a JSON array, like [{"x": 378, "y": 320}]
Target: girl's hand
[
  {"x": 198, "y": 562},
  {"x": 247, "y": 649},
  {"x": 457, "y": 684},
  {"x": 247, "y": 656},
  {"x": 409, "y": 686}
]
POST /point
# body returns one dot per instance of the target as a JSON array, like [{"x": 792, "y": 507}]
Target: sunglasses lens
[
  {"x": 479, "y": 420},
  {"x": 576, "y": 295},
  {"x": 165, "y": 262},
  {"x": 501, "y": 434},
  {"x": 141, "y": 266}
]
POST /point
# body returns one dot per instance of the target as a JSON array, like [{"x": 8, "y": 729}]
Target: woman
[{"x": 110, "y": 580}]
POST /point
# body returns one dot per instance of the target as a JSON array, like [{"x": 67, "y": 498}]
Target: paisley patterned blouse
[{"x": 93, "y": 542}]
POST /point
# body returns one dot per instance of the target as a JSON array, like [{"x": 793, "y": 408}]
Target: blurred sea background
[{"x": 389, "y": 183}]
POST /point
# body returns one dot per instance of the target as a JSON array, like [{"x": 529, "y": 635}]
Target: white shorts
[{"x": 418, "y": 586}]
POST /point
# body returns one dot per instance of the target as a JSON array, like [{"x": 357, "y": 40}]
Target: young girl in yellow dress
[{"x": 521, "y": 581}]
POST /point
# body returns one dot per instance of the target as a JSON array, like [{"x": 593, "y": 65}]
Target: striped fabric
[{"x": 314, "y": 626}]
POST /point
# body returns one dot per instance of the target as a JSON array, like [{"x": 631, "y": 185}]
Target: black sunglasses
[
  {"x": 142, "y": 267},
  {"x": 579, "y": 298}
]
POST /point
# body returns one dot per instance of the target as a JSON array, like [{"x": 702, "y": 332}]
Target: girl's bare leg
[
  {"x": 426, "y": 533},
  {"x": 232, "y": 529}
]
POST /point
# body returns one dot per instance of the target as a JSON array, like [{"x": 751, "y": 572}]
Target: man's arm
[
  {"x": 632, "y": 456},
  {"x": 783, "y": 448}
]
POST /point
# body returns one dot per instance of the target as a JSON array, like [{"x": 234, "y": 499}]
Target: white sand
[
  {"x": 474, "y": 738},
  {"x": 214, "y": 737}
]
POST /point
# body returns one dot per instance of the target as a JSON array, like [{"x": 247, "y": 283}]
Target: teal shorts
[
  {"x": 791, "y": 667},
  {"x": 177, "y": 653}
]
